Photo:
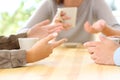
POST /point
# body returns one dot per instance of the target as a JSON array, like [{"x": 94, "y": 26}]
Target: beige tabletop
[{"x": 63, "y": 64}]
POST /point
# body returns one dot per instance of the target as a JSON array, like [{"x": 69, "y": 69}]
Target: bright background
[
  {"x": 14, "y": 13},
  {"x": 115, "y": 6}
]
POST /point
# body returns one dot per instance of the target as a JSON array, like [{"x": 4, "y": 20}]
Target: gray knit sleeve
[
  {"x": 12, "y": 58},
  {"x": 105, "y": 13}
]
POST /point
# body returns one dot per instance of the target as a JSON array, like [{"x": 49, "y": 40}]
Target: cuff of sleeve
[
  {"x": 22, "y": 35},
  {"x": 18, "y": 58},
  {"x": 117, "y": 57}
]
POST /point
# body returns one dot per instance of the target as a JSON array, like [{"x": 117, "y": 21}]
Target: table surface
[{"x": 63, "y": 64}]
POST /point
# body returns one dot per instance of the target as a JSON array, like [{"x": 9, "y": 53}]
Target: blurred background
[{"x": 14, "y": 13}]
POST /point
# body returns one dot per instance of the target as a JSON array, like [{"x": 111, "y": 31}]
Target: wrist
[
  {"x": 29, "y": 56},
  {"x": 28, "y": 33},
  {"x": 116, "y": 57}
]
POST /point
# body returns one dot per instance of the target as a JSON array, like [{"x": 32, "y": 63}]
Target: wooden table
[{"x": 63, "y": 64}]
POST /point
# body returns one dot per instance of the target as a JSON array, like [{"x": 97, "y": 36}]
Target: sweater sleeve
[
  {"x": 102, "y": 11},
  {"x": 11, "y": 42},
  {"x": 12, "y": 58}
]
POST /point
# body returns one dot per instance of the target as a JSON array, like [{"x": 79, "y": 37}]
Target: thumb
[
  {"x": 99, "y": 26},
  {"x": 87, "y": 27},
  {"x": 103, "y": 38},
  {"x": 102, "y": 23}
]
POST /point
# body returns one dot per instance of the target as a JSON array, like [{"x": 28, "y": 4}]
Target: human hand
[
  {"x": 101, "y": 27},
  {"x": 60, "y": 17},
  {"x": 43, "y": 48},
  {"x": 43, "y": 29},
  {"x": 102, "y": 51},
  {"x": 98, "y": 26}
]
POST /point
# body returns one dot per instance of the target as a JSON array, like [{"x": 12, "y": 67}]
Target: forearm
[
  {"x": 12, "y": 58},
  {"x": 11, "y": 42},
  {"x": 31, "y": 56},
  {"x": 109, "y": 31}
]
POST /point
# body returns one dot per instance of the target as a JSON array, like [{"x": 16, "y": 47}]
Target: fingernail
[{"x": 55, "y": 34}]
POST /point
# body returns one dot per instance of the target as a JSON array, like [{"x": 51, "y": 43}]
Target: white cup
[
  {"x": 27, "y": 43},
  {"x": 70, "y": 12}
]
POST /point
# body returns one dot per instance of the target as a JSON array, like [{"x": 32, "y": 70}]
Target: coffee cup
[
  {"x": 27, "y": 43},
  {"x": 70, "y": 12}
]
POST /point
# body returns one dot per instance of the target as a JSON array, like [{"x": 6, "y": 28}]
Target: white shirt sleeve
[{"x": 117, "y": 57}]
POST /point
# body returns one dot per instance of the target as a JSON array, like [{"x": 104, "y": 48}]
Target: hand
[
  {"x": 101, "y": 26},
  {"x": 98, "y": 26},
  {"x": 43, "y": 48},
  {"x": 59, "y": 18},
  {"x": 102, "y": 51},
  {"x": 43, "y": 29}
]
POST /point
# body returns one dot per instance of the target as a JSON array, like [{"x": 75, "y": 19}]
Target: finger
[
  {"x": 88, "y": 28},
  {"x": 58, "y": 43},
  {"x": 91, "y": 53},
  {"x": 66, "y": 26},
  {"x": 50, "y": 37},
  {"x": 91, "y": 44},
  {"x": 43, "y": 23},
  {"x": 99, "y": 25},
  {"x": 52, "y": 26},
  {"x": 104, "y": 39},
  {"x": 62, "y": 13},
  {"x": 65, "y": 18},
  {"x": 57, "y": 29},
  {"x": 93, "y": 57},
  {"x": 58, "y": 20},
  {"x": 91, "y": 50}
]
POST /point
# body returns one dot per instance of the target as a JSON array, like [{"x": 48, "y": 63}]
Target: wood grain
[{"x": 63, "y": 64}]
